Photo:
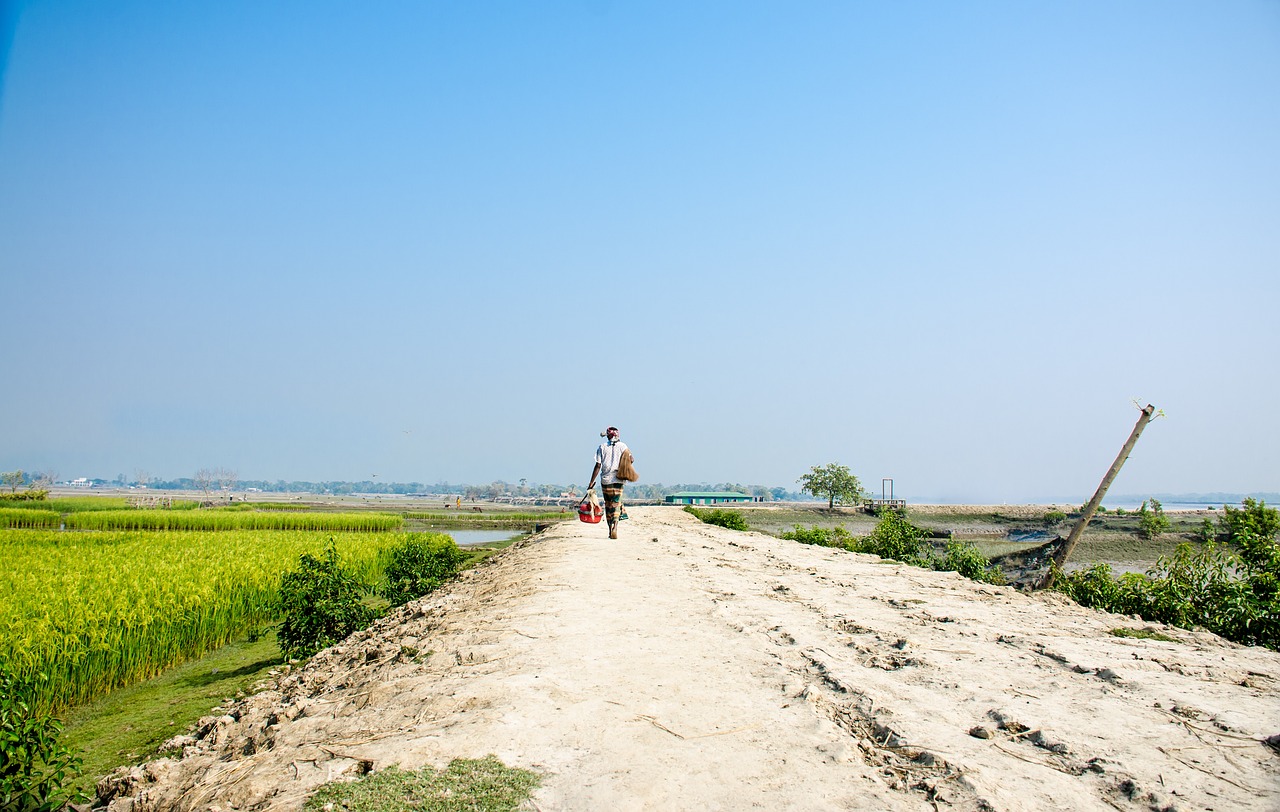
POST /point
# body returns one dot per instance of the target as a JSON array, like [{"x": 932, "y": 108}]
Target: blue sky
[{"x": 946, "y": 243}]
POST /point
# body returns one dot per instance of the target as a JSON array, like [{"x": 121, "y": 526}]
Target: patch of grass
[
  {"x": 129, "y": 725},
  {"x": 1142, "y": 634},
  {"x": 466, "y": 785}
]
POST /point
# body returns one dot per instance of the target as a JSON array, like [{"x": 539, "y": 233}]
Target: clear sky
[{"x": 948, "y": 243}]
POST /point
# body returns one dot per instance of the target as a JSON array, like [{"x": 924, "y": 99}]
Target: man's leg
[{"x": 612, "y": 507}]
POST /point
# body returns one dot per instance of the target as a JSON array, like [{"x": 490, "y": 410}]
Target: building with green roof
[{"x": 707, "y": 497}]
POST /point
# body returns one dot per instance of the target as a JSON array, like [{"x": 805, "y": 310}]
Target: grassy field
[{"x": 129, "y": 725}]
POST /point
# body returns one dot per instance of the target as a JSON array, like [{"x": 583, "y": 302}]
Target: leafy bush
[
  {"x": 1152, "y": 523},
  {"x": 821, "y": 536},
  {"x": 895, "y": 537},
  {"x": 969, "y": 562},
  {"x": 721, "y": 518},
  {"x": 1236, "y": 596},
  {"x": 320, "y": 604},
  {"x": 34, "y": 767},
  {"x": 1253, "y": 519},
  {"x": 1054, "y": 518},
  {"x": 419, "y": 564}
]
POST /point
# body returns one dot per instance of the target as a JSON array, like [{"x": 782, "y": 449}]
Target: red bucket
[{"x": 589, "y": 513}]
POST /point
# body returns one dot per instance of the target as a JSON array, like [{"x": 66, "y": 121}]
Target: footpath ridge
[{"x": 686, "y": 666}]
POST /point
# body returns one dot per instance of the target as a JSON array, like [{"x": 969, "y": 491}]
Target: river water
[{"x": 470, "y": 538}]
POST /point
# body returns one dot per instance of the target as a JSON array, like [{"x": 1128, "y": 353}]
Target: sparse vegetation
[
  {"x": 466, "y": 785},
  {"x": 896, "y": 538},
  {"x": 1143, "y": 634}
]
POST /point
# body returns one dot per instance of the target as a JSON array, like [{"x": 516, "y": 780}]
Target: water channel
[{"x": 470, "y": 538}]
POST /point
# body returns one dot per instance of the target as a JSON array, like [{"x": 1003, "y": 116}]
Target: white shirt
[{"x": 609, "y": 457}]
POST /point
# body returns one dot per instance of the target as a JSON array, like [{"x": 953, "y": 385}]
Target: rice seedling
[
  {"x": 73, "y": 504},
  {"x": 221, "y": 520},
  {"x": 495, "y": 520},
  {"x": 277, "y": 506},
  {"x": 27, "y": 517},
  {"x": 95, "y": 611}
]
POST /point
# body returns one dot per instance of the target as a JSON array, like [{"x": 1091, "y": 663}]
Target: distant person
[{"x": 608, "y": 458}]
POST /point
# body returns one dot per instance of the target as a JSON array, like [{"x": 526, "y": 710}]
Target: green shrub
[
  {"x": 1054, "y": 518},
  {"x": 821, "y": 536},
  {"x": 34, "y": 767},
  {"x": 419, "y": 564},
  {"x": 1152, "y": 523},
  {"x": 720, "y": 518},
  {"x": 1237, "y": 597},
  {"x": 895, "y": 537},
  {"x": 320, "y": 603},
  {"x": 969, "y": 562},
  {"x": 1253, "y": 519}
]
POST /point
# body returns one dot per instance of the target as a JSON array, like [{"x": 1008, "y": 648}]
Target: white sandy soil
[{"x": 688, "y": 667}]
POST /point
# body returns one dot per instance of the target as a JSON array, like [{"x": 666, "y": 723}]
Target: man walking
[{"x": 608, "y": 458}]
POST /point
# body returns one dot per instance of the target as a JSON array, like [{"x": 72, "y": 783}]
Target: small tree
[
  {"x": 226, "y": 478},
  {"x": 12, "y": 479},
  {"x": 320, "y": 603},
  {"x": 832, "y": 481},
  {"x": 1152, "y": 523},
  {"x": 204, "y": 479}
]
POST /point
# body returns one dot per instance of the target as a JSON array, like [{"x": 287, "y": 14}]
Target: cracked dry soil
[{"x": 690, "y": 667}]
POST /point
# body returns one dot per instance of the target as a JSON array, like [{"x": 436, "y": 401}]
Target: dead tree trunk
[{"x": 1077, "y": 531}]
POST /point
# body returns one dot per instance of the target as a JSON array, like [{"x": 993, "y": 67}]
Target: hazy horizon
[{"x": 950, "y": 244}]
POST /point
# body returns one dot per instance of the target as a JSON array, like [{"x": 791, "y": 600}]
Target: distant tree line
[{"x": 640, "y": 491}]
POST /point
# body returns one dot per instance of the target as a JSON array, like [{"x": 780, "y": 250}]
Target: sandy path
[{"x": 690, "y": 667}]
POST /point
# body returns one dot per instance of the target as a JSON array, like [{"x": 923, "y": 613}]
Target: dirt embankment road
[{"x": 687, "y": 667}]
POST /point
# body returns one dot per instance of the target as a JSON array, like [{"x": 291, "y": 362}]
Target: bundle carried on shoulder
[{"x": 627, "y": 468}]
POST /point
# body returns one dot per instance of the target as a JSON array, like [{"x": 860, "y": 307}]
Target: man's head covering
[{"x": 611, "y": 432}]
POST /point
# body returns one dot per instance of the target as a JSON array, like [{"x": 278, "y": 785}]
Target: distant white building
[{"x": 80, "y": 482}]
